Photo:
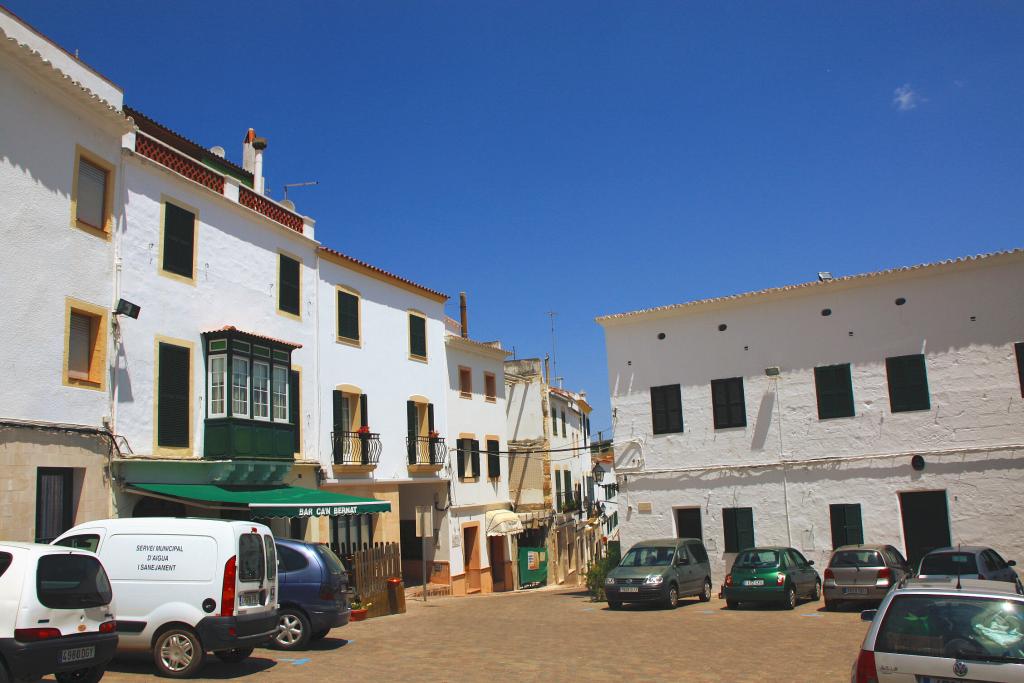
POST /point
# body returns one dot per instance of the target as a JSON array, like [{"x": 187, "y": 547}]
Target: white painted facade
[{"x": 788, "y": 465}]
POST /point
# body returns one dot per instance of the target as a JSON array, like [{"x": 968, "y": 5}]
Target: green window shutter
[
  {"x": 854, "y": 524},
  {"x": 493, "y": 460},
  {"x": 412, "y": 431},
  {"x": 745, "y": 528},
  {"x": 461, "y": 447},
  {"x": 348, "y": 316},
  {"x": 567, "y": 485},
  {"x": 558, "y": 490},
  {"x": 846, "y": 523},
  {"x": 294, "y": 409},
  {"x": 173, "y": 396},
  {"x": 667, "y": 409},
  {"x": 179, "y": 240},
  {"x": 908, "y": 383},
  {"x": 728, "y": 403},
  {"x": 417, "y": 336},
  {"x": 364, "y": 411},
  {"x": 430, "y": 418},
  {"x": 1019, "y": 350},
  {"x": 288, "y": 290},
  {"x": 834, "y": 389},
  {"x": 339, "y": 412},
  {"x": 475, "y": 454}
]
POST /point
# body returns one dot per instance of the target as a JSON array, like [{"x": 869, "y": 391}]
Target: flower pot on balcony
[{"x": 358, "y": 615}]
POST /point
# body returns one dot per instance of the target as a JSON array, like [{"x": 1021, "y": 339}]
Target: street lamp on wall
[{"x": 598, "y": 473}]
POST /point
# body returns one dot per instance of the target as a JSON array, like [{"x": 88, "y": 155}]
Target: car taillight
[
  {"x": 780, "y": 579},
  {"x": 227, "y": 591},
  {"x": 326, "y": 592},
  {"x": 33, "y": 635},
  {"x": 829, "y": 574},
  {"x": 728, "y": 579},
  {"x": 865, "y": 671},
  {"x": 884, "y": 578},
  {"x": 108, "y": 627}
]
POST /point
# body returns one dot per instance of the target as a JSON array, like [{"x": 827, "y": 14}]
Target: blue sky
[{"x": 596, "y": 157}]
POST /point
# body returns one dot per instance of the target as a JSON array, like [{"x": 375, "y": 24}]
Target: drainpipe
[{"x": 463, "y": 324}]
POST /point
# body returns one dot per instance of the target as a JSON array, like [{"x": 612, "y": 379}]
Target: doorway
[
  {"x": 496, "y": 553},
  {"x": 688, "y": 523},
  {"x": 471, "y": 556},
  {"x": 925, "y": 523}
]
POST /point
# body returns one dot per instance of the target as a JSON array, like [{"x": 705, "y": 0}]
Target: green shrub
[{"x": 596, "y": 574}]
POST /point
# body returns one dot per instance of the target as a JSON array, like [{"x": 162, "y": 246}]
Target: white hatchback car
[
  {"x": 945, "y": 632},
  {"x": 55, "y": 614}
]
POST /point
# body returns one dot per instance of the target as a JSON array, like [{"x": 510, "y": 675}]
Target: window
[
  {"x": 667, "y": 409},
  {"x": 417, "y": 336},
  {"x": 847, "y": 528},
  {"x": 558, "y": 489},
  {"x": 280, "y": 393},
  {"x": 563, "y": 423},
  {"x": 908, "y": 383},
  {"x": 218, "y": 371},
  {"x": 738, "y": 524},
  {"x": 490, "y": 387},
  {"x": 348, "y": 316},
  {"x": 91, "y": 196},
  {"x": 250, "y": 558},
  {"x": 1019, "y": 350},
  {"x": 88, "y": 542},
  {"x": 179, "y": 234},
  {"x": 465, "y": 382},
  {"x": 239, "y": 387},
  {"x": 294, "y": 416},
  {"x": 261, "y": 390},
  {"x": 289, "y": 288},
  {"x": 493, "y": 460},
  {"x": 290, "y": 560},
  {"x": 727, "y": 401},
  {"x": 173, "y": 400},
  {"x": 54, "y": 499},
  {"x": 85, "y": 345},
  {"x": 834, "y": 387},
  {"x": 468, "y": 458},
  {"x": 72, "y": 582},
  {"x": 554, "y": 421}
]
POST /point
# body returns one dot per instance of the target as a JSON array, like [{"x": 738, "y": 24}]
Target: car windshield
[
  {"x": 72, "y": 582},
  {"x": 757, "y": 559},
  {"x": 647, "y": 557},
  {"x": 949, "y": 564},
  {"x": 856, "y": 558},
  {"x": 962, "y": 627}
]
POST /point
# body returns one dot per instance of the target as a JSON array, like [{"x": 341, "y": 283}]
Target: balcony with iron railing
[
  {"x": 426, "y": 454},
  {"x": 356, "y": 451}
]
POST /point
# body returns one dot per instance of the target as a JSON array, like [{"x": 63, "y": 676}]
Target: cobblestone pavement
[{"x": 560, "y": 635}]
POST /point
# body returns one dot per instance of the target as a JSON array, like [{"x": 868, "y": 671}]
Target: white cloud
[{"x": 906, "y": 98}]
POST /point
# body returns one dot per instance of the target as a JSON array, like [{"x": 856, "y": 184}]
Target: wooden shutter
[
  {"x": 411, "y": 415},
  {"x": 348, "y": 315},
  {"x": 179, "y": 240},
  {"x": 475, "y": 456},
  {"x": 90, "y": 200},
  {"x": 173, "y": 395},
  {"x": 417, "y": 335},
  {"x": 79, "y": 346},
  {"x": 558, "y": 490},
  {"x": 834, "y": 390},
  {"x": 294, "y": 409},
  {"x": 364, "y": 412},
  {"x": 908, "y": 383},
  {"x": 461, "y": 447},
  {"x": 738, "y": 524},
  {"x": 667, "y": 409},
  {"x": 728, "y": 403},
  {"x": 288, "y": 278},
  {"x": 659, "y": 416},
  {"x": 430, "y": 419},
  {"x": 339, "y": 413},
  {"x": 493, "y": 460},
  {"x": 567, "y": 485},
  {"x": 847, "y": 525},
  {"x": 1019, "y": 350}
]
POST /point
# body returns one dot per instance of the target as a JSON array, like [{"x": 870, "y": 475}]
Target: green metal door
[{"x": 533, "y": 567}]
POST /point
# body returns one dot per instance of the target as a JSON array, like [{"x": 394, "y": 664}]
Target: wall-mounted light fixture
[
  {"x": 772, "y": 371},
  {"x": 125, "y": 307}
]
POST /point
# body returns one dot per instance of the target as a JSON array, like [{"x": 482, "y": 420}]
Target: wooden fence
[{"x": 371, "y": 568}]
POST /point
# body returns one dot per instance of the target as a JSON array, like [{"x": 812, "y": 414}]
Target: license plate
[
  {"x": 929, "y": 679},
  {"x": 629, "y": 589},
  {"x": 77, "y": 654},
  {"x": 855, "y": 591},
  {"x": 754, "y": 582},
  {"x": 251, "y": 599}
]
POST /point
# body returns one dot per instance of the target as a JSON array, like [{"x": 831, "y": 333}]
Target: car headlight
[
  {"x": 610, "y": 580},
  {"x": 654, "y": 580}
]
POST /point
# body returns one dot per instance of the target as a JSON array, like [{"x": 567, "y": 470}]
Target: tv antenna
[
  {"x": 305, "y": 184},
  {"x": 554, "y": 356}
]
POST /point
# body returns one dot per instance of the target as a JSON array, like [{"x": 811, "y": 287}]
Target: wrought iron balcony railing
[
  {"x": 426, "y": 450},
  {"x": 355, "y": 448}
]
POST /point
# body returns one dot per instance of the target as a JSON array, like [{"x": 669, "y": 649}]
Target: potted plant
[
  {"x": 364, "y": 429},
  {"x": 359, "y": 609},
  {"x": 435, "y": 435}
]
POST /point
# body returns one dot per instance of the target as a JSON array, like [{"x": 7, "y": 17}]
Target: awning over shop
[
  {"x": 266, "y": 501},
  {"x": 503, "y": 523}
]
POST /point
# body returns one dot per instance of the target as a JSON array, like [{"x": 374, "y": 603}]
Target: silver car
[
  {"x": 940, "y": 633},
  {"x": 862, "y": 573}
]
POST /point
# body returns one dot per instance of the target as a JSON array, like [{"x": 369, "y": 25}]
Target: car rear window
[
  {"x": 71, "y": 582},
  {"x": 949, "y": 564},
  {"x": 250, "y": 558},
  {"x": 857, "y": 558},
  {"x": 954, "y": 626},
  {"x": 5, "y": 562},
  {"x": 756, "y": 559},
  {"x": 331, "y": 561}
]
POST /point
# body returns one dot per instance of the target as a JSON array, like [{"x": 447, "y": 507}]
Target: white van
[
  {"x": 55, "y": 614},
  {"x": 185, "y": 587}
]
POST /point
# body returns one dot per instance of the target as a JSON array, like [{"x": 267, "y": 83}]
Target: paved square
[{"x": 559, "y": 635}]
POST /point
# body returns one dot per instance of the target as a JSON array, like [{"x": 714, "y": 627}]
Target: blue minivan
[{"x": 312, "y": 592}]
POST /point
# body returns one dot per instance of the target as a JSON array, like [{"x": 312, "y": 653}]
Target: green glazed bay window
[{"x": 252, "y": 397}]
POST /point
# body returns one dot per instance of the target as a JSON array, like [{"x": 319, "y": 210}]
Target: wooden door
[
  {"x": 496, "y": 552},
  {"x": 471, "y": 555}
]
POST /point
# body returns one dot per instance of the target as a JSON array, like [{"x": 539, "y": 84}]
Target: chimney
[
  {"x": 463, "y": 324},
  {"x": 547, "y": 369},
  {"x": 252, "y": 158}
]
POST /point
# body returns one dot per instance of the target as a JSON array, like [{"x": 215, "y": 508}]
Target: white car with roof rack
[{"x": 185, "y": 587}]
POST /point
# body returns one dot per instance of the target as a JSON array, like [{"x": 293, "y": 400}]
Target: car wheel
[
  {"x": 177, "y": 653},
  {"x": 705, "y": 595},
  {"x": 816, "y": 595},
  {"x": 235, "y": 655},
  {"x": 831, "y": 605},
  {"x": 672, "y": 599},
  {"x": 4, "y": 678},
  {"x": 732, "y": 604},
  {"x": 614, "y": 604},
  {"x": 790, "y": 598},
  {"x": 320, "y": 635},
  {"x": 292, "y": 630},
  {"x": 91, "y": 674}
]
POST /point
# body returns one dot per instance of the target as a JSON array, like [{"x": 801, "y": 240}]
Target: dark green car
[
  {"x": 660, "y": 571},
  {"x": 779, "y": 575}
]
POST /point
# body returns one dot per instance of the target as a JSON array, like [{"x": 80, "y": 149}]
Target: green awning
[{"x": 268, "y": 501}]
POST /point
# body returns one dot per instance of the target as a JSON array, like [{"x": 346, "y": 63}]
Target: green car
[
  {"x": 660, "y": 571},
  {"x": 780, "y": 575}
]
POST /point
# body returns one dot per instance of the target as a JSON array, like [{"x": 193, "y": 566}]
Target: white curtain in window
[
  {"x": 218, "y": 370},
  {"x": 280, "y": 393},
  {"x": 240, "y": 387},
  {"x": 92, "y": 184},
  {"x": 261, "y": 391},
  {"x": 78, "y": 346}
]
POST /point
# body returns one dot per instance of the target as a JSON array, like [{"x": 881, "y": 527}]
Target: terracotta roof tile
[
  {"x": 232, "y": 328},
  {"x": 432, "y": 293}
]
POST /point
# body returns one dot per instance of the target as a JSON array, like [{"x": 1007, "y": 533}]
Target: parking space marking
[{"x": 296, "y": 662}]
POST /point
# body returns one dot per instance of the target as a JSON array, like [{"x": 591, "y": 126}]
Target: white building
[{"x": 885, "y": 407}]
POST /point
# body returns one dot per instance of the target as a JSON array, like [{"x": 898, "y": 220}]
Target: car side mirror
[
  {"x": 868, "y": 614},
  {"x": 1011, "y": 563}
]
